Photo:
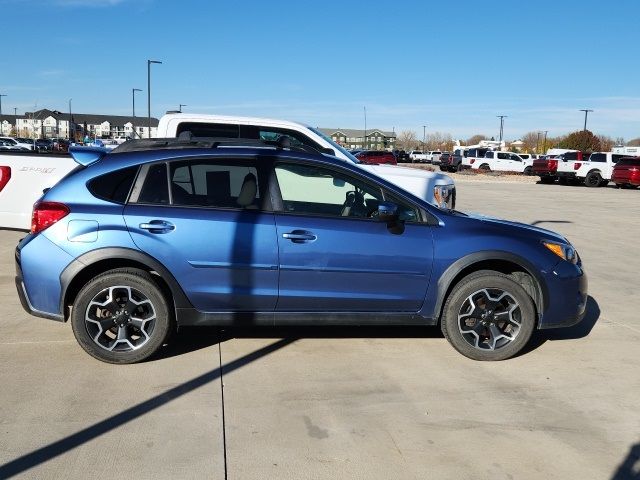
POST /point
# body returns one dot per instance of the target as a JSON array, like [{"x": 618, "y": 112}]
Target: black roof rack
[{"x": 283, "y": 142}]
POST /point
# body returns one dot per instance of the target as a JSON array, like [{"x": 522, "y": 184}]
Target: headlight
[
  {"x": 564, "y": 251},
  {"x": 445, "y": 196}
]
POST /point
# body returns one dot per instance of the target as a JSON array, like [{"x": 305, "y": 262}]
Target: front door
[{"x": 335, "y": 256}]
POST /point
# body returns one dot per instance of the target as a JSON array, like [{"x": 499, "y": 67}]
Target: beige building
[{"x": 374, "y": 139}]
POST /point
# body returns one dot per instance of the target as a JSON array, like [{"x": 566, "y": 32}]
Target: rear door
[
  {"x": 209, "y": 222},
  {"x": 334, "y": 256}
]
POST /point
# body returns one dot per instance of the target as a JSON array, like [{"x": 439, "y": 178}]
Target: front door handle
[
  {"x": 300, "y": 236},
  {"x": 158, "y": 226}
]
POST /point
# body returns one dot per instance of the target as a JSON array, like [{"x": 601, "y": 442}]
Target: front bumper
[{"x": 567, "y": 294}]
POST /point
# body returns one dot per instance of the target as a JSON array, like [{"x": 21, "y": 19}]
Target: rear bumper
[
  {"x": 626, "y": 178},
  {"x": 544, "y": 173},
  {"x": 24, "y": 297},
  {"x": 566, "y": 174}
]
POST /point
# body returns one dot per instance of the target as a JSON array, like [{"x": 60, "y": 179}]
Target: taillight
[
  {"x": 576, "y": 165},
  {"x": 552, "y": 164},
  {"x": 471, "y": 161},
  {"x": 46, "y": 214},
  {"x": 5, "y": 176}
]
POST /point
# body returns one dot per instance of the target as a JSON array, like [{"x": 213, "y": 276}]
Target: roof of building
[
  {"x": 352, "y": 132},
  {"x": 89, "y": 118}
]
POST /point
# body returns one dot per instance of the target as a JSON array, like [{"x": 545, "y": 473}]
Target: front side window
[
  {"x": 598, "y": 157},
  {"x": 205, "y": 183},
  {"x": 503, "y": 156},
  {"x": 310, "y": 190}
]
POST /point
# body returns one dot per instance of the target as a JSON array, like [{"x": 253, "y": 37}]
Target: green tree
[{"x": 583, "y": 140}]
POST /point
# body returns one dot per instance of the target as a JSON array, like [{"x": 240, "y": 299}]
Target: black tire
[
  {"x": 593, "y": 179},
  {"x": 528, "y": 171},
  {"x": 443, "y": 169},
  {"x": 484, "y": 167},
  {"x": 459, "y": 168},
  {"x": 562, "y": 180},
  {"x": 95, "y": 330},
  {"x": 463, "y": 297}
]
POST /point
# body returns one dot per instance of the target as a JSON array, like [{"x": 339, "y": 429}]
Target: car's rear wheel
[
  {"x": 488, "y": 316},
  {"x": 593, "y": 179},
  {"x": 121, "y": 316},
  {"x": 528, "y": 171},
  {"x": 485, "y": 167}
]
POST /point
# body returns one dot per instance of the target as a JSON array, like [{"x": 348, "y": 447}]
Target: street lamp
[
  {"x": 424, "y": 138},
  {"x": 364, "y": 139},
  {"x": 149, "y": 62},
  {"x": 544, "y": 144},
  {"x": 1, "y": 95},
  {"x": 586, "y": 112},
  {"x": 501, "y": 117},
  {"x": 133, "y": 101},
  {"x": 180, "y": 107},
  {"x": 538, "y": 142},
  {"x": 70, "y": 123}
]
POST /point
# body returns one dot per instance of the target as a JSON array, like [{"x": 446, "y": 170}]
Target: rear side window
[
  {"x": 217, "y": 130},
  {"x": 113, "y": 186},
  {"x": 488, "y": 155},
  {"x": 206, "y": 183},
  {"x": 503, "y": 156},
  {"x": 155, "y": 189},
  {"x": 598, "y": 157},
  {"x": 615, "y": 158}
]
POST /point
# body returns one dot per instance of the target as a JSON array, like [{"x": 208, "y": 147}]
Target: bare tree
[
  {"x": 406, "y": 140},
  {"x": 531, "y": 141},
  {"x": 475, "y": 139},
  {"x": 439, "y": 141},
  {"x": 606, "y": 143},
  {"x": 634, "y": 143}
]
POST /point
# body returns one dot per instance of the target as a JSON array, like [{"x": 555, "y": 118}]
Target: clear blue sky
[{"x": 452, "y": 65}]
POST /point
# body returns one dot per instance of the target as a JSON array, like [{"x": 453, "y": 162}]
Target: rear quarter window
[{"x": 113, "y": 186}]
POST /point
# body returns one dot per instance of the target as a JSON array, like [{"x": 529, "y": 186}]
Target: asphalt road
[{"x": 368, "y": 403}]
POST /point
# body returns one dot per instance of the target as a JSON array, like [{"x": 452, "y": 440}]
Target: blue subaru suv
[{"x": 164, "y": 233}]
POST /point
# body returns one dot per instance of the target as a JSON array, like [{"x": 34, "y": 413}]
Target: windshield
[{"x": 334, "y": 145}]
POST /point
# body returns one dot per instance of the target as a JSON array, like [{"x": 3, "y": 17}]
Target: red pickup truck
[{"x": 546, "y": 167}]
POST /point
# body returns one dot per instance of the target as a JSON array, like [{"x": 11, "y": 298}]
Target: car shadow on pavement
[
  {"x": 190, "y": 339},
  {"x": 629, "y": 469},
  {"x": 575, "y": 332},
  {"x": 59, "y": 447}
]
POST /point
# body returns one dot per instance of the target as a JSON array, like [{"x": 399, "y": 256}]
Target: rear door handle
[
  {"x": 300, "y": 236},
  {"x": 158, "y": 226}
]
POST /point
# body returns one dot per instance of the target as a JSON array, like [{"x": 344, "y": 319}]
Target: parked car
[
  {"x": 446, "y": 162},
  {"x": 418, "y": 156},
  {"x": 44, "y": 145},
  {"x": 401, "y": 156},
  {"x": 433, "y": 157},
  {"x": 377, "y": 157},
  {"x": 592, "y": 170},
  {"x": 546, "y": 167},
  {"x": 626, "y": 172},
  {"x": 7, "y": 144},
  {"x": 473, "y": 155},
  {"x": 136, "y": 243},
  {"x": 19, "y": 142},
  {"x": 504, "y": 162}
]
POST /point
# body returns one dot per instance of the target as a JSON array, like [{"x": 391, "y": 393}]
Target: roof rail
[{"x": 283, "y": 142}]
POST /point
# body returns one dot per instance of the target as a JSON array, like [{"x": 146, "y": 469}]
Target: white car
[
  {"x": 13, "y": 146},
  {"x": 435, "y": 188},
  {"x": 595, "y": 171},
  {"x": 504, "y": 162},
  {"x": 416, "y": 156},
  {"x": 12, "y": 141},
  {"x": 472, "y": 155}
]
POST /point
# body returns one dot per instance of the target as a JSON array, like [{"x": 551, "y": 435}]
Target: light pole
[
  {"x": 538, "y": 142},
  {"x": 180, "y": 107},
  {"x": 74, "y": 128},
  {"x": 501, "y": 117},
  {"x": 149, "y": 62},
  {"x": 424, "y": 138},
  {"x": 586, "y": 113},
  {"x": 133, "y": 101},
  {"x": 544, "y": 144},
  {"x": 364, "y": 139},
  {"x": 1, "y": 95}
]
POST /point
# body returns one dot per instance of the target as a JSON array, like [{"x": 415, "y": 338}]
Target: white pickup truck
[
  {"x": 593, "y": 171},
  {"x": 24, "y": 176},
  {"x": 416, "y": 156}
]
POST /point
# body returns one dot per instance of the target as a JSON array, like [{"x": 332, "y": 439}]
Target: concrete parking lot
[{"x": 369, "y": 403}]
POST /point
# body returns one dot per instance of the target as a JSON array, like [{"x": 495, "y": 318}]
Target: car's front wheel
[
  {"x": 488, "y": 316},
  {"x": 121, "y": 316}
]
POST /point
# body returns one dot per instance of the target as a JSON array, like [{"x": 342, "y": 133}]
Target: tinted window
[
  {"x": 515, "y": 157},
  {"x": 488, "y": 155},
  {"x": 598, "y": 157},
  {"x": 114, "y": 186},
  {"x": 503, "y": 156},
  {"x": 630, "y": 162},
  {"x": 571, "y": 155},
  {"x": 155, "y": 188},
  {"x": 213, "y": 184},
  {"x": 615, "y": 158},
  {"x": 201, "y": 129}
]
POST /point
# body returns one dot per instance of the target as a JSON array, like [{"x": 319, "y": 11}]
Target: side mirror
[{"x": 388, "y": 212}]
